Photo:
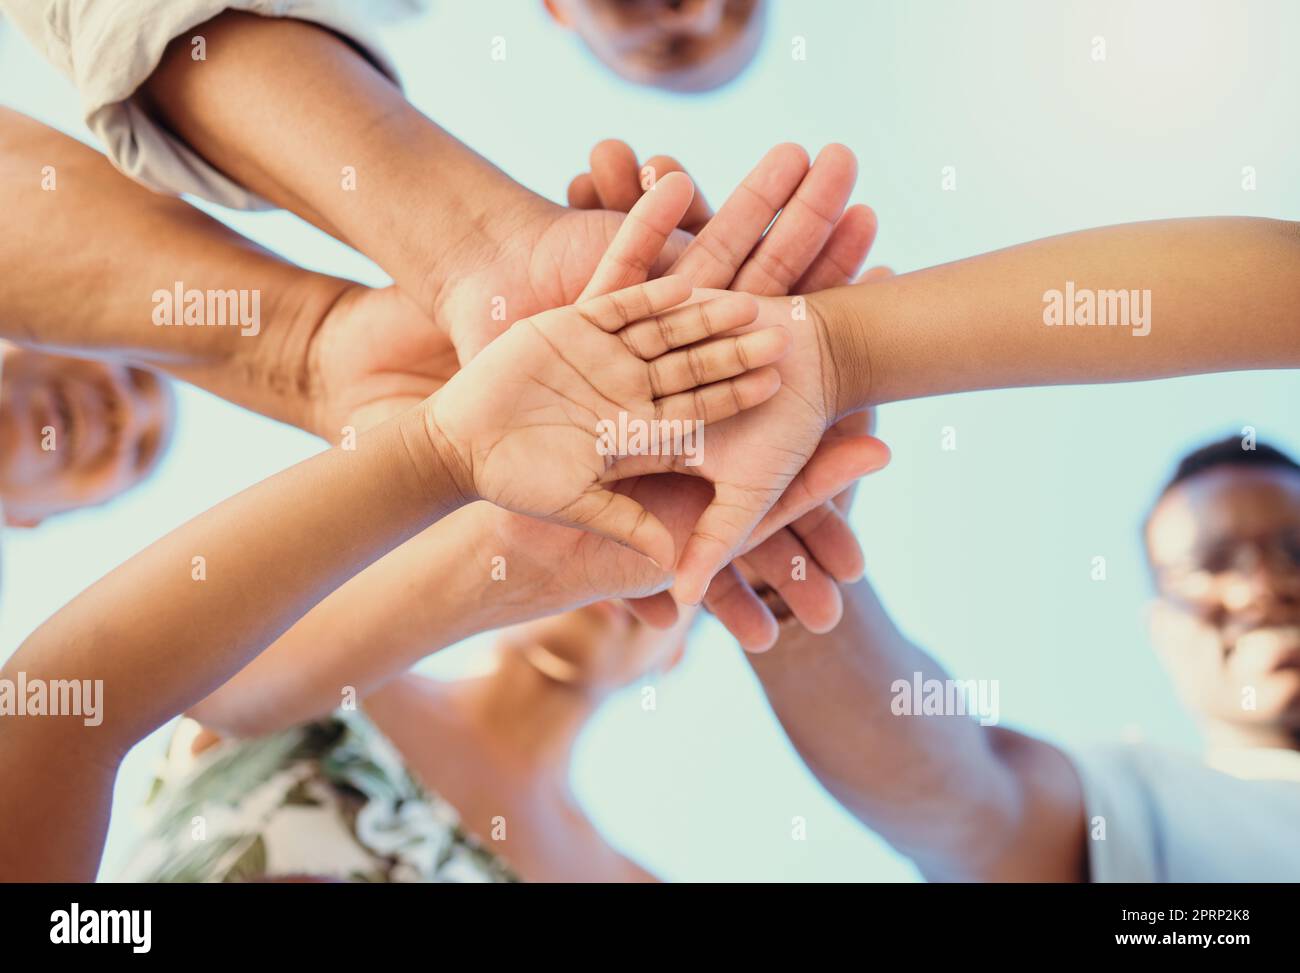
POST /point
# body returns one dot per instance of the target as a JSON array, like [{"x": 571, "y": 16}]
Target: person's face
[
  {"x": 608, "y": 646},
  {"x": 680, "y": 45},
  {"x": 75, "y": 433},
  {"x": 1225, "y": 547}
]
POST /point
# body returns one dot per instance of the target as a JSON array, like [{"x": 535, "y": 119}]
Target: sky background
[{"x": 982, "y": 553}]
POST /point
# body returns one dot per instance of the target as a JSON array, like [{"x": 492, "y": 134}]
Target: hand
[
  {"x": 554, "y": 569},
  {"x": 374, "y": 354},
  {"x": 541, "y": 255},
  {"x": 754, "y": 458},
  {"x": 616, "y": 182},
  {"x": 544, "y": 397},
  {"x": 545, "y": 257},
  {"x": 809, "y": 249},
  {"x": 760, "y": 586}
]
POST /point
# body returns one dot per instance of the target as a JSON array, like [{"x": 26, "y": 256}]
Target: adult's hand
[{"x": 814, "y": 244}]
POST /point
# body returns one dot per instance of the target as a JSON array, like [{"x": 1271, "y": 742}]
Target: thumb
[
  {"x": 717, "y": 538},
  {"x": 641, "y": 237},
  {"x": 624, "y": 521}
]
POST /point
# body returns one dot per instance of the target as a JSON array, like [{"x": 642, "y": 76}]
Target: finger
[
  {"x": 699, "y": 213},
  {"x": 722, "y": 246},
  {"x": 805, "y": 224},
  {"x": 582, "y": 192},
  {"x": 785, "y": 564},
  {"x": 862, "y": 423},
  {"x": 624, "y": 521},
  {"x": 833, "y": 466},
  {"x": 716, "y": 360},
  {"x": 734, "y": 603},
  {"x": 641, "y": 238},
  {"x": 657, "y": 610},
  {"x": 716, "y": 538},
  {"x": 655, "y": 336},
  {"x": 721, "y": 400},
  {"x": 826, "y": 533},
  {"x": 612, "y": 311},
  {"x": 874, "y": 274},
  {"x": 643, "y": 464},
  {"x": 615, "y": 175},
  {"x": 843, "y": 254}
]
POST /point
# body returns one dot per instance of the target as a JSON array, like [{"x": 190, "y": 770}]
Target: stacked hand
[
  {"x": 521, "y": 425},
  {"x": 377, "y": 354},
  {"x": 806, "y": 249}
]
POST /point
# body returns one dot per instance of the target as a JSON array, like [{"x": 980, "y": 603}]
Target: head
[
  {"x": 75, "y": 433},
  {"x": 604, "y": 646},
  {"x": 678, "y": 45},
  {"x": 1223, "y": 540}
]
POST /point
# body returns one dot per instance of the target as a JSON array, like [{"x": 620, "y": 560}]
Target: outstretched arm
[
  {"x": 172, "y": 623},
  {"x": 305, "y": 531},
  {"x": 87, "y": 250},
  {"x": 338, "y": 144},
  {"x": 963, "y": 801},
  {"x": 1213, "y": 294}
]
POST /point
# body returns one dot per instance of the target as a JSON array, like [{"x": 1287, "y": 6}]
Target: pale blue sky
[{"x": 982, "y": 553}]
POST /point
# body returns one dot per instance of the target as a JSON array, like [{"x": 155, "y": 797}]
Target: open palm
[
  {"x": 753, "y": 458},
  {"x": 523, "y": 422}
]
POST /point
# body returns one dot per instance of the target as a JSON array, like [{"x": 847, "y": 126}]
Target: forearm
[
  {"x": 1213, "y": 294},
  {"x": 384, "y": 620},
  {"x": 932, "y": 785},
  {"x": 429, "y": 593},
  {"x": 335, "y": 142},
  {"x": 169, "y": 625},
  {"x": 172, "y": 623},
  {"x": 122, "y": 254}
]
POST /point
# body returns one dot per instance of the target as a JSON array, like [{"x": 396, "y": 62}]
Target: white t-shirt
[
  {"x": 109, "y": 47},
  {"x": 1158, "y": 816}
]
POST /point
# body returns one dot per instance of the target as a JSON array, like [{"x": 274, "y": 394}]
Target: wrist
[
  {"x": 431, "y": 207},
  {"x": 844, "y": 333},
  {"x": 269, "y": 369},
  {"x": 471, "y": 233},
  {"x": 288, "y": 370},
  {"x": 445, "y": 461}
]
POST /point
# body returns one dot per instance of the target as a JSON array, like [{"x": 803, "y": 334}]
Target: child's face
[
  {"x": 680, "y": 45},
  {"x": 75, "y": 433}
]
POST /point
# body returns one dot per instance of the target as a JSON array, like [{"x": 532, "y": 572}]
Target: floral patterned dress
[{"x": 328, "y": 800}]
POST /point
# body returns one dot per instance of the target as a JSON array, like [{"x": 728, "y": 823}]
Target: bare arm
[
  {"x": 158, "y": 633},
  {"x": 85, "y": 250},
  {"x": 963, "y": 801},
  {"x": 489, "y": 568},
  {"x": 1219, "y": 294},
  {"x": 419, "y": 193},
  {"x": 431, "y": 592}
]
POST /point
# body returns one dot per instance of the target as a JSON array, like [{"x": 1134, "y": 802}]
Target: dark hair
[{"x": 1228, "y": 452}]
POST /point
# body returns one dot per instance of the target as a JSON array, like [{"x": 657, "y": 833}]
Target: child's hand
[
  {"x": 533, "y": 423},
  {"x": 814, "y": 243}
]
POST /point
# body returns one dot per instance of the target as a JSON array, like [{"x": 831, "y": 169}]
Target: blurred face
[
  {"x": 1225, "y": 545},
  {"x": 608, "y": 646},
  {"x": 679, "y": 45},
  {"x": 75, "y": 433}
]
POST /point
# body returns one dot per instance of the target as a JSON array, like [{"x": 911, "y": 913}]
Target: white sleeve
[
  {"x": 1170, "y": 818},
  {"x": 109, "y": 47},
  {"x": 1123, "y": 835}
]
